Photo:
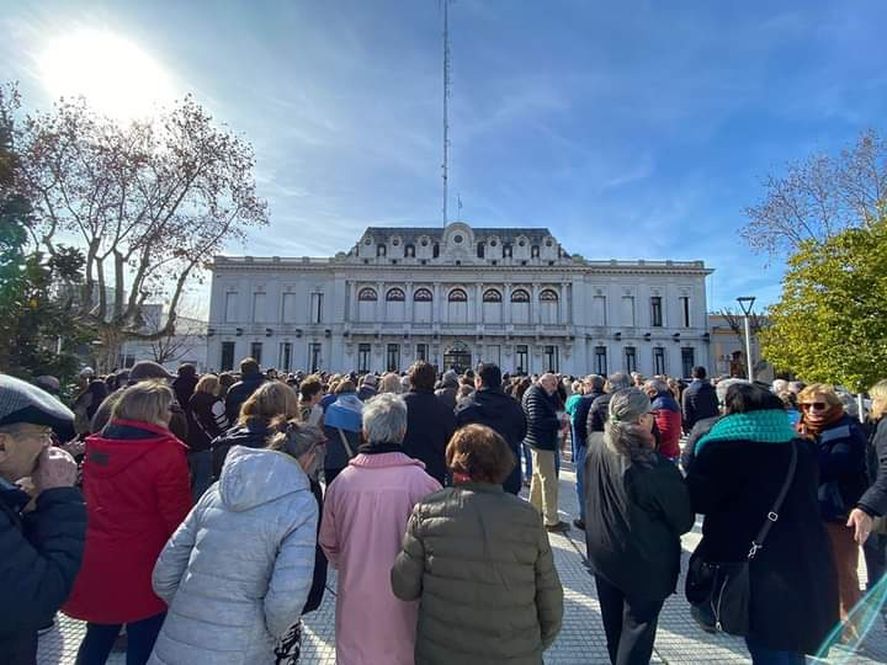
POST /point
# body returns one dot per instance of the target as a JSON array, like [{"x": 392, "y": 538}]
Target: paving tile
[{"x": 581, "y": 640}]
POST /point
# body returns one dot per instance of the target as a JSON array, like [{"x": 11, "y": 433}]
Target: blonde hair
[
  {"x": 879, "y": 392},
  {"x": 209, "y": 383},
  {"x": 270, "y": 400},
  {"x": 390, "y": 383},
  {"x": 145, "y": 401},
  {"x": 828, "y": 393}
]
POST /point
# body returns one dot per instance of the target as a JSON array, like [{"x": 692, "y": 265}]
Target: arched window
[
  {"x": 457, "y": 295},
  {"x": 548, "y": 306},
  {"x": 492, "y": 307},
  {"x": 381, "y": 250},
  {"x": 520, "y": 295},
  {"x": 367, "y": 295},
  {"x": 395, "y": 295},
  {"x": 480, "y": 250},
  {"x": 410, "y": 251},
  {"x": 422, "y": 295}
]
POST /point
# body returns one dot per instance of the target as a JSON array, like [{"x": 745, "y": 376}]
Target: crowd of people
[{"x": 194, "y": 518}]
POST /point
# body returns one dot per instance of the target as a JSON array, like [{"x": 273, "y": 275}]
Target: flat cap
[{"x": 20, "y": 402}]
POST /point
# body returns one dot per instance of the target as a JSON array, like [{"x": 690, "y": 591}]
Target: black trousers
[{"x": 630, "y": 625}]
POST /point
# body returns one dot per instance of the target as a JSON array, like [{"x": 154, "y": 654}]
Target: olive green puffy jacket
[{"x": 479, "y": 560}]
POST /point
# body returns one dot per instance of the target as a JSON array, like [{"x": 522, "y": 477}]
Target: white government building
[{"x": 456, "y": 296}]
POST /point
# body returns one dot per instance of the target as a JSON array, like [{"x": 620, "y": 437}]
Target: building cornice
[{"x": 241, "y": 264}]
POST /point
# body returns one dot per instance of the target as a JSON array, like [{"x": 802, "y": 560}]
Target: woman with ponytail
[{"x": 637, "y": 507}]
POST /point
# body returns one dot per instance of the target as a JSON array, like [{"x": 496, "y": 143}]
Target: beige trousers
[{"x": 543, "y": 486}]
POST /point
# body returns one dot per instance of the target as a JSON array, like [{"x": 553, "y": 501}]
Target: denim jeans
[
  {"x": 579, "y": 463},
  {"x": 201, "y": 463},
  {"x": 528, "y": 462},
  {"x": 100, "y": 638},
  {"x": 761, "y": 655}
]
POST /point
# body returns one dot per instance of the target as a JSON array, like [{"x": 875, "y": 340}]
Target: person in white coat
[{"x": 237, "y": 572}]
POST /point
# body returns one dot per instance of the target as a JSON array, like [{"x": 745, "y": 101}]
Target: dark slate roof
[{"x": 412, "y": 233}]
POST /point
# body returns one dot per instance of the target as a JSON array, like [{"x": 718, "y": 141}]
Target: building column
[
  {"x": 408, "y": 306},
  {"x": 380, "y": 302},
  {"x": 479, "y": 305}
]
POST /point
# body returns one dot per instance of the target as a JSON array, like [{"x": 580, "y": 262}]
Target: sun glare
[{"x": 114, "y": 74}]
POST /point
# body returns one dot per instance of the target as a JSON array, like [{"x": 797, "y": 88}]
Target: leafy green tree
[{"x": 831, "y": 323}]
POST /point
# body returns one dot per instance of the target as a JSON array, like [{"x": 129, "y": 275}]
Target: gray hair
[
  {"x": 656, "y": 385},
  {"x": 622, "y": 431},
  {"x": 723, "y": 386},
  {"x": 779, "y": 385},
  {"x": 385, "y": 419},
  {"x": 618, "y": 381}
]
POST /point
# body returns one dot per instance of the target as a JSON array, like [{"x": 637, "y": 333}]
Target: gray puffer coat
[{"x": 237, "y": 571}]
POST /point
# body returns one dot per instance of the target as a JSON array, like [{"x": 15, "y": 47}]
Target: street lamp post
[{"x": 746, "y": 303}]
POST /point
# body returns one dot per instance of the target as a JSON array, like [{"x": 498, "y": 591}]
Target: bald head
[{"x": 548, "y": 382}]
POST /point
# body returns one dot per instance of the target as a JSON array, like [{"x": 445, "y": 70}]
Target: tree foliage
[
  {"x": 143, "y": 207},
  {"x": 831, "y": 323},
  {"x": 30, "y": 318},
  {"x": 819, "y": 197}
]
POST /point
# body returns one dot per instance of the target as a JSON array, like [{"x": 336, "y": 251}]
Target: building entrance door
[{"x": 457, "y": 357}]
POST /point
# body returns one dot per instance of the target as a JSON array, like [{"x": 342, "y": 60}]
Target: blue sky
[{"x": 632, "y": 130}]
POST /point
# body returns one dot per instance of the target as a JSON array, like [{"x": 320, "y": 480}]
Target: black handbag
[{"x": 719, "y": 592}]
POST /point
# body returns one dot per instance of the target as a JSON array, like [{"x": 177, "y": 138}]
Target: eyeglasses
[{"x": 814, "y": 406}]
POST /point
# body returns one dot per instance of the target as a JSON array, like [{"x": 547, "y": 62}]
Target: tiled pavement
[{"x": 581, "y": 640}]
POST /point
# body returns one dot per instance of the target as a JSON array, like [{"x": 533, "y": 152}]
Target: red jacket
[
  {"x": 137, "y": 490},
  {"x": 668, "y": 421}
]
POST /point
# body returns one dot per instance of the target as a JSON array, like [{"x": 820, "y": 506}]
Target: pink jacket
[{"x": 365, "y": 516}]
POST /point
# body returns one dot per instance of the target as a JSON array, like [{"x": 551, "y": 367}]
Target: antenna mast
[{"x": 446, "y": 95}]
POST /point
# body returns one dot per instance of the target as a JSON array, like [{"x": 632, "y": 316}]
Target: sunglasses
[{"x": 815, "y": 406}]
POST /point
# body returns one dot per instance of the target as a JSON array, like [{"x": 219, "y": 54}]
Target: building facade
[{"x": 456, "y": 296}]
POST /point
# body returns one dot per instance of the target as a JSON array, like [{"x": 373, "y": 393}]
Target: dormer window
[
  {"x": 410, "y": 251},
  {"x": 381, "y": 250},
  {"x": 480, "y": 250},
  {"x": 534, "y": 252}
]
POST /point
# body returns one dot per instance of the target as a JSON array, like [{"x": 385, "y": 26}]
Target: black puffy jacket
[
  {"x": 503, "y": 414},
  {"x": 40, "y": 555},
  {"x": 540, "y": 409}
]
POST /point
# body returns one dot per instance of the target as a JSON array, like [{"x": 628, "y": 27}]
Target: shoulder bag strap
[
  {"x": 345, "y": 442},
  {"x": 773, "y": 515}
]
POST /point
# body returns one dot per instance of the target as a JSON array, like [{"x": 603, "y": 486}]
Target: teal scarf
[{"x": 769, "y": 426}]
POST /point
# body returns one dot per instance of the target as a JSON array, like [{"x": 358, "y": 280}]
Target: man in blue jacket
[
  {"x": 250, "y": 380},
  {"x": 40, "y": 549},
  {"x": 700, "y": 400}
]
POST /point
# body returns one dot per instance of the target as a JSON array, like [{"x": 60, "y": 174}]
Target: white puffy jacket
[{"x": 237, "y": 571}]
